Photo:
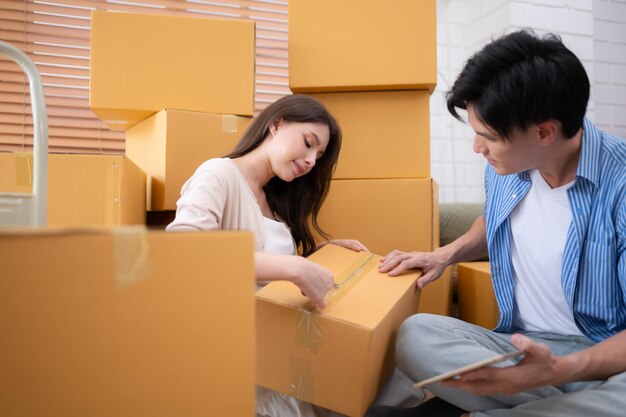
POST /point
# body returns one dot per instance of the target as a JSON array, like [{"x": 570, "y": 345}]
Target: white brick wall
[
  {"x": 462, "y": 27},
  {"x": 595, "y": 30},
  {"x": 609, "y": 78}
]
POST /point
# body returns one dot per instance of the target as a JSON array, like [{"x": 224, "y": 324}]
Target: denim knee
[{"x": 413, "y": 344}]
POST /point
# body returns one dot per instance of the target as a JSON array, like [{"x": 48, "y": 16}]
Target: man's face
[{"x": 518, "y": 153}]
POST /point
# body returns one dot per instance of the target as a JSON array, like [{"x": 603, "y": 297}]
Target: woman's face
[{"x": 294, "y": 148}]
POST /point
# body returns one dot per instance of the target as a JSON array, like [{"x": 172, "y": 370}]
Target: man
[{"x": 554, "y": 226}]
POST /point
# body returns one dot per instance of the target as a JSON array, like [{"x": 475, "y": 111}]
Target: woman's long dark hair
[{"x": 296, "y": 201}]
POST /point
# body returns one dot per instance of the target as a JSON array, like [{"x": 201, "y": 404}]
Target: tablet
[{"x": 471, "y": 367}]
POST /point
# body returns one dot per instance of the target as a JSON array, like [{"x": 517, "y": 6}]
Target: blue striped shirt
[{"x": 593, "y": 274}]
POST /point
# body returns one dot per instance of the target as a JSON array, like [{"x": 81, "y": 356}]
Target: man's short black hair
[{"x": 522, "y": 79}]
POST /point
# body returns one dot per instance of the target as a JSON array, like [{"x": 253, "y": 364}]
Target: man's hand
[
  {"x": 398, "y": 262},
  {"x": 538, "y": 368}
]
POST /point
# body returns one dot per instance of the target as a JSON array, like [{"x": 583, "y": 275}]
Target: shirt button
[{"x": 514, "y": 196}]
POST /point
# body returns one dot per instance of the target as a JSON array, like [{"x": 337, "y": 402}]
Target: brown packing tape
[
  {"x": 229, "y": 123},
  {"x": 24, "y": 169},
  {"x": 130, "y": 251}
]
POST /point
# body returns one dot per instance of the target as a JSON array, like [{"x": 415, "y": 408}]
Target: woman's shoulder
[
  {"x": 224, "y": 169},
  {"x": 225, "y": 165},
  {"x": 219, "y": 172}
]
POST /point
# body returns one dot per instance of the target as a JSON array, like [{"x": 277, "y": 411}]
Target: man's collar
[{"x": 591, "y": 144}]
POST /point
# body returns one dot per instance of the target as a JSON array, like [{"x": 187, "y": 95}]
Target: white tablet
[{"x": 471, "y": 367}]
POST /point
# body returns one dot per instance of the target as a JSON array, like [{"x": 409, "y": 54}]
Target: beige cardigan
[{"x": 217, "y": 197}]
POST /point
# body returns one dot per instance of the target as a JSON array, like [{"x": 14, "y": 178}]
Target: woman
[{"x": 273, "y": 183}]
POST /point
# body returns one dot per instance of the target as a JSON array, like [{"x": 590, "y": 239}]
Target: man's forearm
[
  {"x": 470, "y": 246},
  {"x": 599, "y": 362}
]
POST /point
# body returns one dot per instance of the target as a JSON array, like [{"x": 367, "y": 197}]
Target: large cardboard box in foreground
[
  {"x": 141, "y": 64},
  {"x": 386, "y": 134},
  {"x": 126, "y": 323},
  {"x": 384, "y": 214},
  {"x": 477, "y": 302},
  {"x": 340, "y": 356},
  {"x": 170, "y": 145},
  {"x": 351, "y": 45},
  {"x": 83, "y": 190}
]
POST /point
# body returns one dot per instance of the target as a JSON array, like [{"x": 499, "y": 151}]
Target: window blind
[{"x": 55, "y": 35}]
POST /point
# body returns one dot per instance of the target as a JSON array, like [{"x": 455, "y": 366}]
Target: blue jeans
[{"x": 428, "y": 345}]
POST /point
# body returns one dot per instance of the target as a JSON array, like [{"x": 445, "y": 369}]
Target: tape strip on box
[
  {"x": 301, "y": 384},
  {"x": 309, "y": 328},
  {"x": 308, "y": 331},
  {"x": 229, "y": 123},
  {"x": 130, "y": 250},
  {"x": 353, "y": 274}
]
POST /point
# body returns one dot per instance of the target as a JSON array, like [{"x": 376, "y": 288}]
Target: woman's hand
[
  {"x": 313, "y": 280},
  {"x": 353, "y": 244}
]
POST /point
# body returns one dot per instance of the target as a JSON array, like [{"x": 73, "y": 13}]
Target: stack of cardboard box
[
  {"x": 182, "y": 87},
  {"x": 185, "y": 89},
  {"x": 374, "y": 67}
]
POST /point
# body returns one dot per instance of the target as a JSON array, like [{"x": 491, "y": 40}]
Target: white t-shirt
[{"x": 539, "y": 226}]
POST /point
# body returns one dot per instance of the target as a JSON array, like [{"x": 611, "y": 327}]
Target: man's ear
[{"x": 548, "y": 131}]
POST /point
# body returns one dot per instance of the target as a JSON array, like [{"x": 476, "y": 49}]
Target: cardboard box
[
  {"x": 477, "y": 302},
  {"x": 338, "y": 357},
  {"x": 126, "y": 323},
  {"x": 141, "y": 64},
  {"x": 386, "y": 134},
  {"x": 384, "y": 214},
  {"x": 436, "y": 297},
  {"x": 83, "y": 190},
  {"x": 170, "y": 145},
  {"x": 351, "y": 46}
]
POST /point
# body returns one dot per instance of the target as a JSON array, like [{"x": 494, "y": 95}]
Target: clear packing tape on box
[
  {"x": 309, "y": 329},
  {"x": 130, "y": 250}
]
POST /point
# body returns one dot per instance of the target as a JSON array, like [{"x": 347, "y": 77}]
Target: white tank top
[
  {"x": 539, "y": 226},
  {"x": 278, "y": 238}
]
